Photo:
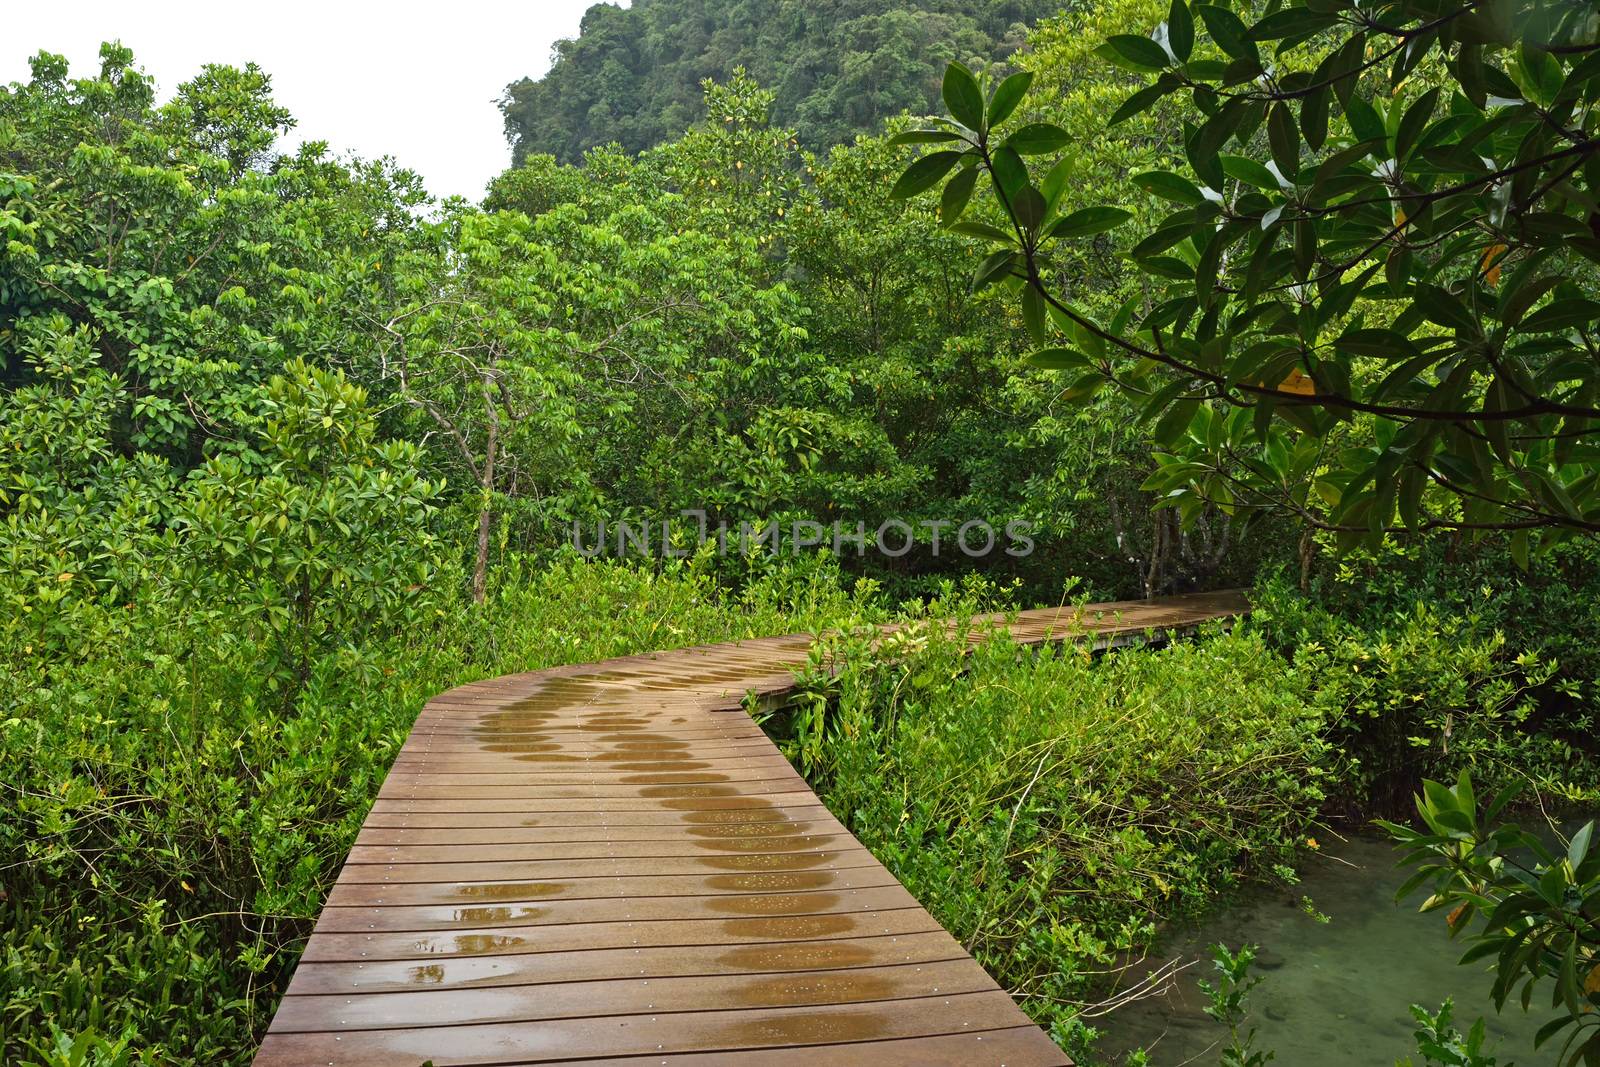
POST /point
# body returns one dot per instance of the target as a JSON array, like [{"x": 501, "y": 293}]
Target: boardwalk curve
[{"x": 610, "y": 863}]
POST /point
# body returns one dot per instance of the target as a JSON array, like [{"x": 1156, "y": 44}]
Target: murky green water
[{"x": 1332, "y": 995}]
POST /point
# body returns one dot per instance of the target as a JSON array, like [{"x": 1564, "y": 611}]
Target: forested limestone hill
[{"x": 633, "y": 75}]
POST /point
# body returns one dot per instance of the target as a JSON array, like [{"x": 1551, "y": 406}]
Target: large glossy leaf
[
  {"x": 1180, "y": 30},
  {"x": 1007, "y": 95},
  {"x": 1139, "y": 53},
  {"x": 963, "y": 97},
  {"x": 1036, "y": 138},
  {"x": 1170, "y": 186},
  {"x": 1090, "y": 220},
  {"x": 1227, "y": 31},
  {"x": 924, "y": 174}
]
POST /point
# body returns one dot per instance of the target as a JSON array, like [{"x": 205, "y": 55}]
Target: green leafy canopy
[{"x": 1370, "y": 298}]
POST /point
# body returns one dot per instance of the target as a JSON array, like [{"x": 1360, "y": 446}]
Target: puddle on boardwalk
[
  {"x": 799, "y": 927},
  {"x": 809, "y": 1029},
  {"x": 766, "y": 813},
  {"x": 489, "y": 916},
  {"x": 775, "y": 904},
  {"x": 773, "y": 883},
  {"x": 762, "y": 844},
  {"x": 470, "y": 944},
  {"x": 788, "y": 861},
  {"x": 508, "y": 890},
  {"x": 668, "y": 778},
  {"x": 803, "y": 957},
  {"x": 428, "y": 974},
  {"x": 813, "y": 989},
  {"x": 687, "y": 791},
  {"x": 767, "y": 829}
]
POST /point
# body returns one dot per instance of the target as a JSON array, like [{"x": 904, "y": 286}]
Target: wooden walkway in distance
[{"x": 611, "y": 864}]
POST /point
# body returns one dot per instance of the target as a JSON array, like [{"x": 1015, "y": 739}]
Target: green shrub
[
  {"x": 1423, "y": 691},
  {"x": 1051, "y": 809}
]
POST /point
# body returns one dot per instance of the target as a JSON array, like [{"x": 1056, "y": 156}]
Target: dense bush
[
  {"x": 1412, "y": 685},
  {"x": 1051, "y": 809}
]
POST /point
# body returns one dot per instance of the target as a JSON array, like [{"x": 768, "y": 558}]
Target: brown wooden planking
[
  {"x": 538, "y": 912},
  {"x": 610, "y": 863},
  {"x": 866, "y": 873},
  {"x": 352, "y": 980},
  {"x": 735, "y": 1027},
  {"x": 629, "y": 996}
]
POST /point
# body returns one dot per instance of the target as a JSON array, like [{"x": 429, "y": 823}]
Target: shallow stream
[{"x": 1333, "y": 994}]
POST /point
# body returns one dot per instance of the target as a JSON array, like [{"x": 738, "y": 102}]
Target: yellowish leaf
[
  {"x": 1491, "y": 263},
  {"x": 1299, "y": 383}
]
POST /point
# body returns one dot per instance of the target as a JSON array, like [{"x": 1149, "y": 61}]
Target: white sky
[{"x": 412, "y": 81}]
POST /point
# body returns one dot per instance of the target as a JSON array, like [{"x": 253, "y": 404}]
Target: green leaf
[
  {"x": 1170, "y": 186},
  {"x": 1139, "y": 53},
  {"x": 1290, "y": 22},
  {"x": 1378, "y": 344},
  {"x": 1180, "y": 31},
  {"x": 1037, "y": 138},
  {"x": 1059, "y": 358},
  {"x": 1202, "y": 146},
  {"x": 924, "y": 174},
  {"x": 1578, "y": 847},
  {"x": 1008, "y": 95},
  {"x": 1028, "y": 208},
  {"x": 1228, "y": 32},
  {"x": 963, "y": 97},
  {"x": 1562, "y": 315},
  {"x": 1250, "y": 172},
  {"x": 1085, "y": 387},
  {"x": 1284, "y": 139},
  {"x": 1142, "y": 101},
  {"x": 1441, "y": 307},
  {"x": 1089, "y": 220},
  {"x": 973, "y": 228},
  {"x": 993, "y": 269},
  {"x": 957, "y": 194},
  {"x": 1055, "y": 179},
  {"x": 1176, "y": 420},
  {"x": 1033, "y": 315},
  {"x": 1010, "y": 173},
  {"x": 1364, "y": 121},
  {"x": 1314, "y": 118},
  {"x": 1519, "y": 549},
  {"x": 1413, "y": 123}
]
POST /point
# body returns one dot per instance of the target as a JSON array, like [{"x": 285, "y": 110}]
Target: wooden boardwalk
[{"x": 611, "y": 864}]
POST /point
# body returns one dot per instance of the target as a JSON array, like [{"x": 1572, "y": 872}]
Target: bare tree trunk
[
  {"x": 1158, "y": 551},
  {"x": 1308, "y": 552},
  {"x": 480, "y": 565}
]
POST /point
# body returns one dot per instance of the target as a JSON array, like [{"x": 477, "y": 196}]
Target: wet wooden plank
[
  {"x": 611, "y": 863},
  {"x": 737, "y": 1029},
  {"x": 593, "y": 965},
  {"x": 542, "y": 911},
  {"x": 627, "y": 996}
]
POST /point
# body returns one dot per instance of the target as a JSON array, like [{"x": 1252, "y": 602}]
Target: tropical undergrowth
[
  {"x": 177, "y": 810},
  {"x": 1055, "y": 809}
]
